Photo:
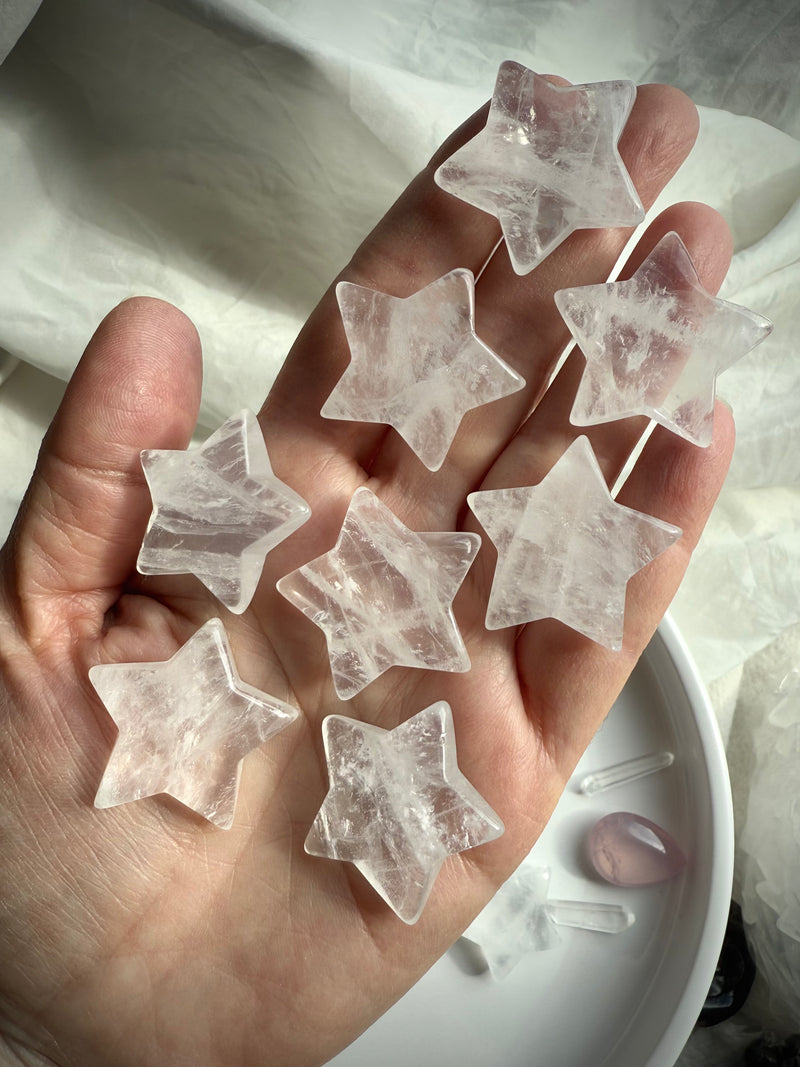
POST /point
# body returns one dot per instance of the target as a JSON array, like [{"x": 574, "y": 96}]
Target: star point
[
  {"x": 185, "y": 725},
  {"x": 217, "y": 511},
  {"x": 417, "y": 363},
  {"x": 547, "y": 162},
  {"x": 566, "y": 549},
  {"x": 655, "y": 343},
  {"x": 383, "y": 595},
  {"x": 398, "y": 805}
]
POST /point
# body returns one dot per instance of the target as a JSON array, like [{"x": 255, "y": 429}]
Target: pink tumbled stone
[{"x": 629, "y": 850}]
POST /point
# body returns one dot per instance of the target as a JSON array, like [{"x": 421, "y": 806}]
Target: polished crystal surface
[
  {"x": 629, "y": 850},
  {"x": 397, "y": 805},
  {"x": 417, "y": 364},
  {"x": 185, "y": 725},
  {"x": 515, "y": 921},
  {"x": 566, "y": 549},
  {"x": 383, "y": 595},
  {"x": 217, "y": 511},
  {"x": 629, "y": 770},
  {"x": 598, "y": 916},
  {"x": 547, "y": 162},
  {"x": 655, "y": 343}
]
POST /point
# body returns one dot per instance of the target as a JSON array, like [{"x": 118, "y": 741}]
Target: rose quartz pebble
[{"x": 629, "y": 850}]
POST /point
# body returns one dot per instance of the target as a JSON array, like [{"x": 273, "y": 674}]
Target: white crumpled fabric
[
  {"x": 14, "y": 17},
  {"x": 229, "y": 155},
  {"x": 769, "y": 869}
]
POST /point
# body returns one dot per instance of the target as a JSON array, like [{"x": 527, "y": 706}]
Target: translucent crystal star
[
  {"x": 515, "y": 921},
  {"x": 547, "y": 162},
  {"x": 654, "y": 344},
  {"x": 566, "y": 549},
  {"x": 185, "y": 725},
  {"x": 522, "y": 918},
  {"x": 217, "y": 511},
  {"x": 398, "y": 805},
  {"x": 383, "y": 595},
  {"x": 417, "y": 364}
]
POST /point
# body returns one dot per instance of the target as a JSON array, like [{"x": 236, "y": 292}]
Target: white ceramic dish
[{"x": 626, "y": 1000}]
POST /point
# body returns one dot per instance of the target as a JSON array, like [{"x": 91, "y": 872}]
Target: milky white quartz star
[
  {"x": 398, "y": 805},
  {"x": 383, "y": 595},
  {"x": 217, "y": 511},
  {"x": 417, "y": 364},
  {"x": 566, "y": 549},
  {"x": 655, "y": 343},
  {"x": 546, "y": 162},
  {"x": 185, "y": 725}
]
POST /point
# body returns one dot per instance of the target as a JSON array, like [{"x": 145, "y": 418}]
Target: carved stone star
[
  {"x": 398, "y": 805},
  {"x": 515, "y": 921},
  {"x": 383, "y": 595},
  {"x": 185, "y": 725},
  {"x": 522, "y": 918},
  {"x": 217, "y": 511},
  {"x": 566, "y": 549},
  {"x": 547, "y": 162},
  {"x": 654, "y": 344},
  {"x": 417, "y": 363}
]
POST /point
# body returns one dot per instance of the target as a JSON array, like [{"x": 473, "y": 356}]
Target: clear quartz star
[
  {"x": 655, "y": 343},
  {"x": 217, "y": 511},
  {"x": 522, "y": 918},
  {"x": 417, "y": 364},
  {"x": 185, "y": 725},
  {"x": 383, "y": 595},
  {"x": 398, "y": 805},
  {"x": 547, "y": 162},
  {"x": 566, "y": 549},
  {"x": 515, "y": 921}
]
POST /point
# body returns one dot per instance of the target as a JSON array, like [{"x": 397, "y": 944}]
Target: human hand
[{"x": 141, "y": 935}]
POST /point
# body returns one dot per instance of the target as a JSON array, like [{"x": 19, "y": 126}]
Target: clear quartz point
[
  {"x": 588, "y": 915},
  {"x": 627, "y": 771}
]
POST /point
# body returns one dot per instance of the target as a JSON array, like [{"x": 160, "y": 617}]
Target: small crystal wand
[{"x": 627, "y": 771}]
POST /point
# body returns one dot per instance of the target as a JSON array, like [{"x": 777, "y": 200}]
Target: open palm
[{"x": 142, "y": 935}]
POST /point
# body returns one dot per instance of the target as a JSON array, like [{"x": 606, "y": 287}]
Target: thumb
[{"x": 79, "y": 529}]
